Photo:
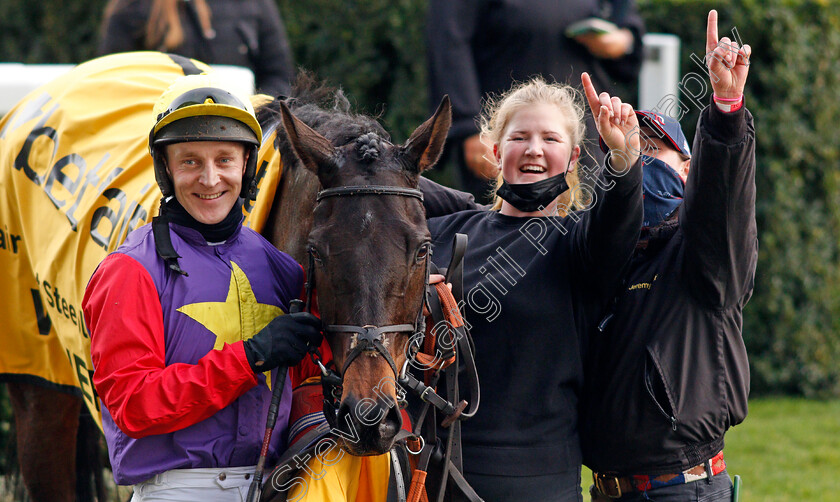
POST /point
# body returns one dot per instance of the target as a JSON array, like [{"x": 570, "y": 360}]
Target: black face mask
[
  {"x": 662, "y": 189},
  {"x": 529, "y": 197}
]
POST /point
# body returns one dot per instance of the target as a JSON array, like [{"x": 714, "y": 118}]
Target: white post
[
  {"x": 660, "y": 72},
  {"x": 18, "y": 79}
]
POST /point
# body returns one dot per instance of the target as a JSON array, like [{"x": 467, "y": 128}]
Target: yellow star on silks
[{"x": 239, "y": 317}]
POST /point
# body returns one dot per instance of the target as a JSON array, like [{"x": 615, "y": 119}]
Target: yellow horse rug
[{"x": 76, "y": 178}]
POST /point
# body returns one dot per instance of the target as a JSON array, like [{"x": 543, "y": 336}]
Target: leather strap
[
  {"x": 163, "y": 244},
  {"x": 369, "y": 190}
]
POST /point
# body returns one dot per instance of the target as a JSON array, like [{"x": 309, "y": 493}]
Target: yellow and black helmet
[{"x": 198, "y": 108}]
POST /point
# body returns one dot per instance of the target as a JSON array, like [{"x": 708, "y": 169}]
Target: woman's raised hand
[
  {"x": 617, "y": 125},
  {"x": 728, "y": 62}
]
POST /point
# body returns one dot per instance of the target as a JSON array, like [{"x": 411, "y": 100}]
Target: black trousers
[{"x": 562, "y": 487}]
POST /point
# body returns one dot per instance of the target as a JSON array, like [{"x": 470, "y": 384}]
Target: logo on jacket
[{"x": 643, "y": 285}]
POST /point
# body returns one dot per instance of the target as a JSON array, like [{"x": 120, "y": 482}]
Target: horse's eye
[
  {"x": 422, "y": 253},
  {"x": 314, "y": 253}
]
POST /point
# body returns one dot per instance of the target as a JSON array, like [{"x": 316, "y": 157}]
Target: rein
[{"x": 448, "y": 360}]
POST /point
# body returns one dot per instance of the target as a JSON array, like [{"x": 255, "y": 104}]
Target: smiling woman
[
  {"x": 537, "y": 144},
  {"x": 535, "y": 129},
  {"x": 534, "y": 283}
]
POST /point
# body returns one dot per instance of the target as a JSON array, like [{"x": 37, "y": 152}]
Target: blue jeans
[{"x": 718, "y": 490}]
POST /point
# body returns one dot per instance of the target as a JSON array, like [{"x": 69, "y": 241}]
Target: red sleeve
[{"x": 143, "y": 395}]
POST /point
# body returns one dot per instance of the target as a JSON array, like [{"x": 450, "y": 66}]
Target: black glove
[{"x": 283, "y": 342}]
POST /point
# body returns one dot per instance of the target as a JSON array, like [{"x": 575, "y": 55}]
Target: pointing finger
[
  {"x": 591, "y": 95},
  {"x": 711, "y": 31}
]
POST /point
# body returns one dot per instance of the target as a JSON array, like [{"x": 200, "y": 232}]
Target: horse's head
[{"x": 369, "y": 248}]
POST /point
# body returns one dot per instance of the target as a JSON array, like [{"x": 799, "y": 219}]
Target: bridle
[{"x": 369, "y": 338}]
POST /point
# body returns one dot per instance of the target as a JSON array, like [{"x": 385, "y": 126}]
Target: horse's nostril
[
  {"x": 391, "y": 425},
  {"x": 343, "y": 416}
]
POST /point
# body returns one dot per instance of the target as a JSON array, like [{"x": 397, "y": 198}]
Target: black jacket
[
  {"x": 667, "y": 374},
  {"x": 249, "y": 33},
  {"x": 476, "y": 47}
]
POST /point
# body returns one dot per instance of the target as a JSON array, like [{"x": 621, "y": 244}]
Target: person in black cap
[
  {"x": 666, "y": 157},
  {"x": 666, "y": 370}
]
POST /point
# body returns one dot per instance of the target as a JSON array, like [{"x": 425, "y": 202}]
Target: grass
[{"x": 786, "y": 450}]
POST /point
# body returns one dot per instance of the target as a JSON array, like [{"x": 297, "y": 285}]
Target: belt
[{"x": 615, "y": 486}]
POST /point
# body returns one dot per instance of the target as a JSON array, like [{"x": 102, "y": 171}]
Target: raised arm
[
  {"x": 718, "y": 216},
  {"x": 611, "y": 227}
]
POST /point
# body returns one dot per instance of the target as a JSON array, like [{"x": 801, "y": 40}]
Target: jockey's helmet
[{"x": 198, "y": 108}]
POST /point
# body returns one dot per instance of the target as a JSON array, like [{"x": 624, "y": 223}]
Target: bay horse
[{"x": 62, "y": 148}]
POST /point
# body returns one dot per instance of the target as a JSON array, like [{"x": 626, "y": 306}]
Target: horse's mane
[{"x": 323, "y": 108}]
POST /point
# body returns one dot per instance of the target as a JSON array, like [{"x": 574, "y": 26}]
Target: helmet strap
[{"x": 249, "y": 181}]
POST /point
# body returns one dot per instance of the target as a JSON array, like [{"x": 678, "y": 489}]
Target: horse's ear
[
  {"x": 314, "y": 151},
  {"x": 423, "y": 148}
]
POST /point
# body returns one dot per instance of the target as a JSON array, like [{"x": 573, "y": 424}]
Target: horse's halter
[{"x": 369, "y": 337}]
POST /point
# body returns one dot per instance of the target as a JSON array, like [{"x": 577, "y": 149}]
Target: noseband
[{"x": 369, "y": 338}]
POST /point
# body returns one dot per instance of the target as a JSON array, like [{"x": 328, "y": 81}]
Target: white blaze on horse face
[
  {"x": 366, "y": 221},
  {"x": 354, "y": 340},
  {"x": 207, "y": 177}
]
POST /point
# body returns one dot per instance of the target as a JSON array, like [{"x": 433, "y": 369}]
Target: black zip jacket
[
  {"x": 667, "y": 373},
  {"x": 475, "y": 47}
]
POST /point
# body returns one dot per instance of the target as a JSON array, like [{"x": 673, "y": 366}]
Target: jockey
[{"x": 188, "y": 317}]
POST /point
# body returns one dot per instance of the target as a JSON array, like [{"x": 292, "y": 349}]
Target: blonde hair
[
  {"x": 499, "y": 109},
  {"x": 164, "y": 31}
]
